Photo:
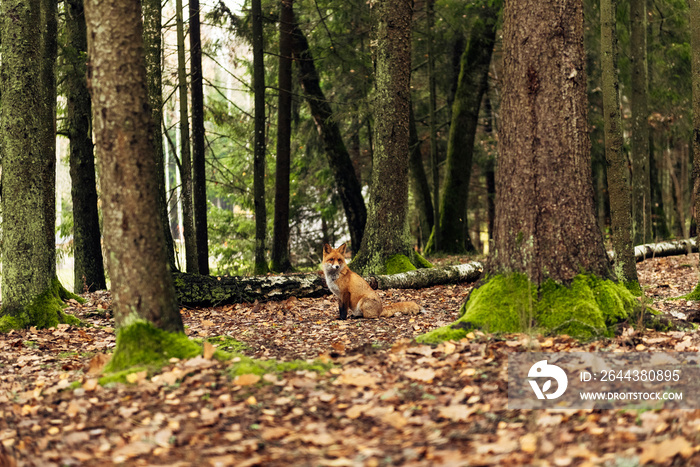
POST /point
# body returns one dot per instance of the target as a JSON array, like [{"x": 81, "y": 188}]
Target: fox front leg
[{"x": 343, "y": 311}]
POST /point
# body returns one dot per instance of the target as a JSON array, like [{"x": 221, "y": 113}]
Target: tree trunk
[
  {"x": 548, "y": 271},
  {"x": 260, "y": 262},
  {"x": 141, "y": 283},
  {"x": 618, "y": 172},
  {"x": 88, "y": 267},
  {"x": 641, "y": 186},
  {"x": 191, "y": 258},
  {"x": 421, "y": 188},
  {"x": 695, "y": 61},
  {"x": 195, "y": 290},
  {"x": 339, "y": 161},
  {"x": 152, "y": 19},
  {"x": 434, "y": 156},
  {"x": 460, "y": 146},
  {"x": 31, "y": 293},
  {"x": 280, "y": 241},
  {"x": 199, "y": 176},
  {"x": 386, "y": 233}
]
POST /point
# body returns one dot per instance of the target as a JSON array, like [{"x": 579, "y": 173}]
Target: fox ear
[
  {"x": 327, "y": 248},
  {"x": 341, "y": 249}
]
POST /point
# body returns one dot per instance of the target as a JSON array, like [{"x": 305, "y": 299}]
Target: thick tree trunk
[
  {"x": 695, "y": 46},
  {"x": 639, "y": 136},
  {"x": 280, "y": 240},
  {"x": 199, "y": 179},
  {"x": 260, "y": 263},
  {"x": 421, "y": 188},
  {"x": 386, "y": 233},
  {"x": 346, "y": 181},
  {"x": 460, "y": 146},
  {"x": 618, "y": 172},
  {"x": 152, "y": 13},
  {"x": 31, "y": 293},
  {"x": 195, "y": 290},
  {"x": 432, "y": 119},
  {"x": 141, "y": 283},
  {"x": 88, "y": 267}
]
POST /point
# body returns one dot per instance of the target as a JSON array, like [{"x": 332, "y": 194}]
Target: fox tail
[{"x": 408, "y": 308}]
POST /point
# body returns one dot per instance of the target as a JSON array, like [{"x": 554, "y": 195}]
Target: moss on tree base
[
  {"x": 588, "y": 308},
  {"x": 45, "y": 311},
  {"x": 141, "y": 344}
]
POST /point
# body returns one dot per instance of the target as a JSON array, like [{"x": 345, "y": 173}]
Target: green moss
[
  {"x": 694, "y": 295},
  {"x": 120, "y": 376},
  {"x": 45, "y": 311},
  {"x": 228, "y": 344},
  {"x": 587, "y": 308},
  {"x": 398, "y": 264},
  {"x": 420, "y": 262},
  {"x": 246, "y": 365},
  {"x": 142, "y": 344}
]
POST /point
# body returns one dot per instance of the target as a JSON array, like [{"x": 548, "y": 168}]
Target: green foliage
[
  {"x": 246, "y": 365},
  {"x": 587, "y": 308}
]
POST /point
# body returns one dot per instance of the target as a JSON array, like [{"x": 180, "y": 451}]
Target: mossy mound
[
  {"x": 588, "y": 308},
  {"x": 45, "y": 311},
  {"x": 141, "y": 344},
  {"x": 694, "y": 295}
]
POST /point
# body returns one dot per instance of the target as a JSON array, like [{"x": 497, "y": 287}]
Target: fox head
[{"x": 333, "y": 258}]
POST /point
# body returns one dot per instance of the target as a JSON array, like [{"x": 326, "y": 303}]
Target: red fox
[{"x": 353, "y": 292}]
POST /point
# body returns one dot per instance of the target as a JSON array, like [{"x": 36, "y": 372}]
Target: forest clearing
[{"x": 382, "y": 399}]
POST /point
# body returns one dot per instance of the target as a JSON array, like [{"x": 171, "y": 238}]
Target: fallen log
[
  {"x": 661, "y": 249},
  {"x": 195, "y": 290}
]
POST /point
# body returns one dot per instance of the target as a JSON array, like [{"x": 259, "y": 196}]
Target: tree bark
[
  {"x": 191, "y": 258},
  {"x": 199, "y": 178},
  {"x": 280, "y": 240},
  {"x": 434, "y": 156},
  {"x": 260, "y": 263},
  {"x": 421, "y": 188},
  {"x": 152, "y": 13},
  {"x": 695, "y": 62},
  {"x": 618, "y": 172},
  {"x": 545, "y": 225},
  {"x": 88, "y": 267},
  {"x": 28, "y": 134},
  {"x": 386, "y": 233},
  {"x": 142, "y": 286},
  {"x": 639, "y": 136},
  {"x": 460, "y": 146},
  {"x": 339, "y": 161}
]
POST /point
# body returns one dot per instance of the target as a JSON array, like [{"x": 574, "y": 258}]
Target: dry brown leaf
[
  {"x": 136, "y": 377},
  {"x": 528, "y": 443},
  {"x": 277, "y": 432},
  {"x": 246, "y": 379},
  {"x": 457, "y": 412},
  {"x": 97, "y": 363},
  {"x": 208, "y": 350},
  {"x": 425, "y": 375},
  {"x": 662, "y": 452}
]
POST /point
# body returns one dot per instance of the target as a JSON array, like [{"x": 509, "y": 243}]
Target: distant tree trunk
[
  {"x": 639, "y": 136},
  {"x": 695, "y": 61},
  {"x": 421, "y": 188},
  {"x": 31, "y": 293},
  {"x": 260, "y": 266},
  {"x": 280, "y": 240},
  {"x": 141, "y": 283},
  {"x": 386, "y": 233},
  {"x": 88, "y": 267},
  {"x": 191, "y": 258},
  {"x": 489, "y": 171},
  {"x": 618, "y": 172},
  {"x": 339, "y": 161},
  {"x": 657, "y": 200},
  {"x": 434, "y": 156},
  {"x": 199, "y": 176},
  {"x": 152, "y": 19},
  {"x": 548, "y": 251},
  {"x": 460, "y": 146}
]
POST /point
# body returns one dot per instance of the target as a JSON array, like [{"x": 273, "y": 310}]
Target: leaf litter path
[{"x": 386, "y": 402}]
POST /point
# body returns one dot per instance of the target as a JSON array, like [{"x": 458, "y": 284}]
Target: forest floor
[{"x": 385, "y": 400}]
